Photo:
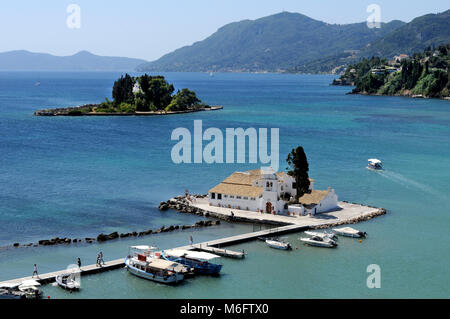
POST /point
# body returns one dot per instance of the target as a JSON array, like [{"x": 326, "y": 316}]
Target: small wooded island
[
  {"x": 143, "y": 95},
  {"x": 423, "y": 75}
]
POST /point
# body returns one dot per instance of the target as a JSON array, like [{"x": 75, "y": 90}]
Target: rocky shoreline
[
  {"x": 401, "y": 94},
  {"x": 115, "y": 235}
]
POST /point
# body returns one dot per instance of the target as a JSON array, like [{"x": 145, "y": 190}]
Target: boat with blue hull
[{"x": 199, "y": 261}]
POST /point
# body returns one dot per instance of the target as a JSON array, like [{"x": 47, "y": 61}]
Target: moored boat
[
  {"x": 199, "y": 261},
  {"x": 27, "y": 289},
  {"x": 278, "y": 244},
  {"x": 68, "y": 281},
  {"x": 319, "y": 241},
  {"x": 350, "y": 232},
  {"x": 11, "y": 291},
  {"x": 322, "y": 235},
  {"x": 142, "y": 262}
]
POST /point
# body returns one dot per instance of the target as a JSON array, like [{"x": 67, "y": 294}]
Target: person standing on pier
[
  {"x": 35, "y": 272},
  {"x": 191, "y": 240},
  {"x": 100, "y": 258},
  {"x": 79, "y": 262}
]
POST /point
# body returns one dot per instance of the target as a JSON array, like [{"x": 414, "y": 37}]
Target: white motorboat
[
  {"x": 350, "y": 232},
  {"x": 143, "y": 262},
  {"x": 374, "y": 164},
  {"x": 320, "y": 234},
  {"x": 319, "y": 241},
  {"x": 278, "y": 244},
  {"x": 29, "y": 288},
  {"x": 68, "y": 281}
]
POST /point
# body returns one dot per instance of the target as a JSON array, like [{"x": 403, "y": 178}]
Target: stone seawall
[{"x": 115, "y": 235}]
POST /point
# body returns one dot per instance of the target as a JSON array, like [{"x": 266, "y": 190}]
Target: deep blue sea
[{"x": 79, "y": 176}]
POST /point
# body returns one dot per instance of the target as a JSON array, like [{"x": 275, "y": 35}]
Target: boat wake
[{"x": 407, "y": 182}]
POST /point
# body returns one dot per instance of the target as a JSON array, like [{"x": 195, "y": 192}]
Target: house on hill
[{"x": 266, "y": 191}]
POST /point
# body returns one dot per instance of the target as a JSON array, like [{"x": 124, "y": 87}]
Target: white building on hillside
[{"x": 269, "y": 192}]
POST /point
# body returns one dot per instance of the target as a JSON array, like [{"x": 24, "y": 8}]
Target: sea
[{"x": 80, "y": 176}]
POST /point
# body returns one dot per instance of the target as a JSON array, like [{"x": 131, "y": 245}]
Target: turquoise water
[{"x": 78, "y": 177}]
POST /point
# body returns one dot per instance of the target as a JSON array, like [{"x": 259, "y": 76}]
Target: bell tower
[{"x": 270, "y": 189}]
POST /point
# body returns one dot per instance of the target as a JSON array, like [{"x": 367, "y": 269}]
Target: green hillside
[
  {"x": 278, "y": 42},
  {"x": 416, "y": 36}
]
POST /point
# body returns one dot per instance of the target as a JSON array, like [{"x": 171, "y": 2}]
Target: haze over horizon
[{"x": 139, "y": 29}]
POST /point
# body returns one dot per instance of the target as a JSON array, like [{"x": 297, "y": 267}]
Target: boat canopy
[
  {"x": 166, "y": 265},
  {"x": 10, "y": 285},
  {"x": 374, "y": 161},
  {"x": 143, "y": 247},
  {"x": 191, "y": 254},
  {"x": 347, "y": 230},
  {"x": 29, "y": 284}
]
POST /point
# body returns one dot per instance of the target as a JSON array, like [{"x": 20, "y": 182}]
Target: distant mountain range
[
  {"x": 283, "y": 42},
  {"x": 81, "y": 61},
  {"x": 292, "y": 42}
]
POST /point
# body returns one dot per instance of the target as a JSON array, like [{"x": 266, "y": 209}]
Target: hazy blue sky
[{"x": 150, "y": 28}]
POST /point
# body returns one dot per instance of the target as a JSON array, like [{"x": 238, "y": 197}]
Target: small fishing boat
[
  {"x": 320, "y": 234},
  {"x": 278, "y": 244},
  {"x": 143, "y": 262},
  {"x": 319, "y": 241},
  {"x": 374, "y": 164},
  {"x": 350, "y": 232},
  {"x": 68, "y": 281},
  {"x": 200, "y": 261}
]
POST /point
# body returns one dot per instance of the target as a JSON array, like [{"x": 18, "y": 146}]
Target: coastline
[
  {"x": 407, "y": 95},
  {"x": 73, "y": 112},
  {"x": 404, "y": 94}
]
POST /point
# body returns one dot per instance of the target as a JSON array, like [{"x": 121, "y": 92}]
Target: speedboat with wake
[
  {"x": 143, "y": 262},
  {"x": 200, "y": 261},
  {"x": 319, "y": 241},
  {"x": 350, "y": 232},
  {"x": 375, "y": 164}
]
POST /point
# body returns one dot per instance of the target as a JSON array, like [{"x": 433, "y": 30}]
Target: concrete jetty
[
  {"x": 84, "y": 270},
  {"x": 212, "y": 246},
  {"x": 347, "y": 213}
]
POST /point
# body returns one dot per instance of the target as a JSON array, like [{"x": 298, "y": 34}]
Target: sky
[{"x": 148, "y": 29}]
